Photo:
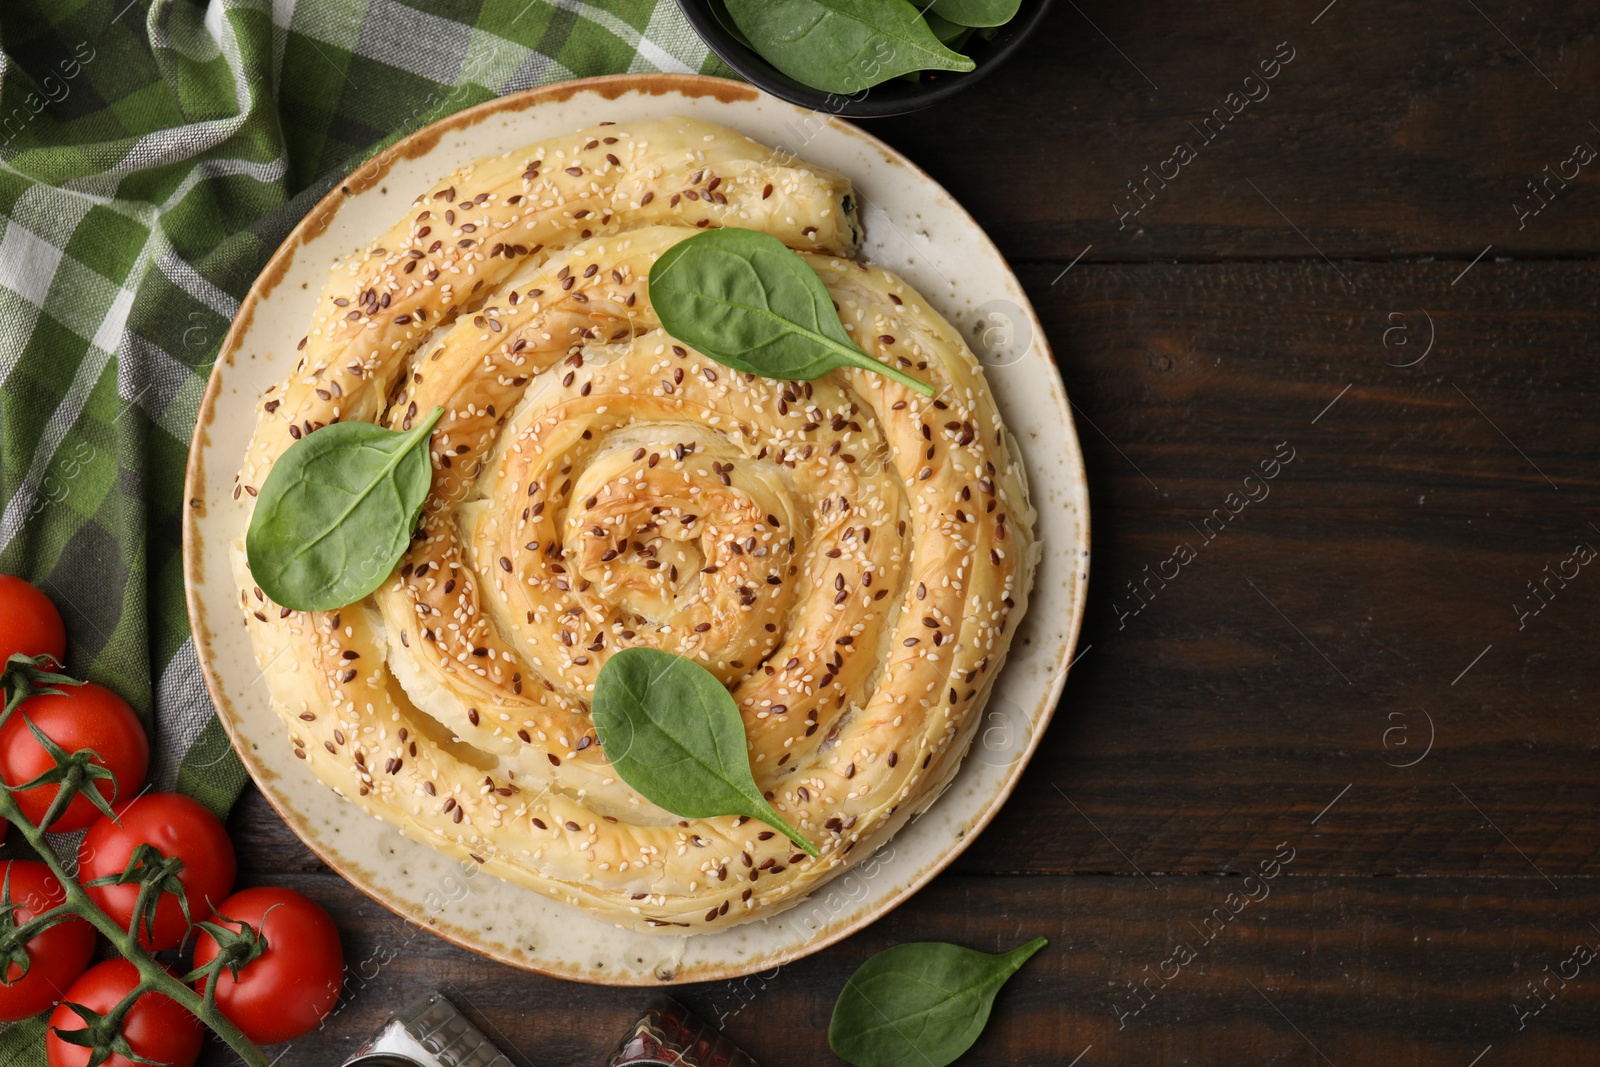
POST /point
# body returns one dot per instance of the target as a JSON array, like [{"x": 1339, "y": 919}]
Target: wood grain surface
[{"x": 1380, "y": 662}]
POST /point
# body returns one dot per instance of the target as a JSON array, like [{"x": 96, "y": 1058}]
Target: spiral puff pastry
[{"x": 848, "y": 557}]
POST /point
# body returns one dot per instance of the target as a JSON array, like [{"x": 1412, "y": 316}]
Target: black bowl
[{"x": 894, "y": 97}]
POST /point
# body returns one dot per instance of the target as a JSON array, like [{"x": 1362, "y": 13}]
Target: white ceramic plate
[{"x": 914, "y": 228}]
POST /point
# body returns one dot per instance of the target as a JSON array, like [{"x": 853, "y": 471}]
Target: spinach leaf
[
  {"x": 843, "y": 46},
  {"x": 674, "y": 733},
  {"x": 747, "y": 301},
  {"x": 976, "y": 12},
  {"x": 337, "y": 511},
  {"x": 950, "y": 34},
  {"x": 921, "y": 1004},
  {"x": 719, "y": 11}
]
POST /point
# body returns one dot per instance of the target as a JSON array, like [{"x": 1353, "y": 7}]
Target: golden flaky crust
[{"x": 850, "y": 558}]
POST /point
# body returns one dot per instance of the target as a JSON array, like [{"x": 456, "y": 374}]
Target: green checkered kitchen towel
[{"x": 153, "y": 153}]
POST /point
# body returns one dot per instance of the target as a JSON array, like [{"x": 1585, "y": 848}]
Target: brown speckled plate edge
[{"x": 790, "y": 944}]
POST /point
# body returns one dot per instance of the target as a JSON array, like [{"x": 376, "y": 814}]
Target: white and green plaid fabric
[{"x": 153, "y": 153}]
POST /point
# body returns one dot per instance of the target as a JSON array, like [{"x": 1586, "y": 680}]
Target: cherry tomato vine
[{"x": 78, "y": 774}]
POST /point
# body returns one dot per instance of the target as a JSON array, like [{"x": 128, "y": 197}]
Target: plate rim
[{"x": 369, "y": 173}]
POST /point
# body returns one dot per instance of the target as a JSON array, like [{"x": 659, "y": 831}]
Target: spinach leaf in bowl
[
  {"x": 976, "y": 12},
  {"x": 843, "y": 46},
  {"x": 719, "y": 11},
  {"x": 950, "y": 34}
]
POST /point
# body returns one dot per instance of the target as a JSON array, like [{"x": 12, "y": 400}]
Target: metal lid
[{"x": 429, "y": 1033}]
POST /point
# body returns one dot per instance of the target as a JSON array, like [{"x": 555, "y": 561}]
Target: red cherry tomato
[
  {"x": 157, "y": 1027},
  {"x": 29, "y": 623},
  {"x": 83, "y": 716},
  {"x": 55, "y": 957},
  {"x": 287, "y": 990},
  {"x": 178, "y": 827}
]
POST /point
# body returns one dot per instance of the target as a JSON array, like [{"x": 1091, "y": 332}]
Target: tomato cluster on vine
[{"x": 155, "y": 873}]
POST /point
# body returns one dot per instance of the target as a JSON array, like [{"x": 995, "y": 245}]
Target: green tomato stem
[
  {"x": 44, "y": 921},
  {"x": 120, "y": 1010},
  {"x": 152, "y": 975},
  {"x": 68, "y": 788},
  {"x": 13, "y": 702},
  {"x": 213, "y": 973}
]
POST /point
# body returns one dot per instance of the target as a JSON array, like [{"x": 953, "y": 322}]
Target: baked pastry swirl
[{"x": 848, "y": 557}]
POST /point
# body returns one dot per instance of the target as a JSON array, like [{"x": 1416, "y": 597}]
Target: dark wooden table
[{"x": 1385, "y": 669}]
